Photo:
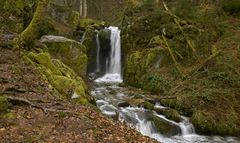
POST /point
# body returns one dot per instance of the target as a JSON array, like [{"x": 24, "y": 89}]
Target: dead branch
[
  {"x": 172, "y": 56},
  {"x": 190, "y": 75}
]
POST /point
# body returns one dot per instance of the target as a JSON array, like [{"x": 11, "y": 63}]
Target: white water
[
  {"x": 113, "y": 68},
  {"x": 115, "y": 57},
  {"x": 83, "y": 38},
  {"x": 137, "y": 117},
  {"x": 98, "y": 53}
]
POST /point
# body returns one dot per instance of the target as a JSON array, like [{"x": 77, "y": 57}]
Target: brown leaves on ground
[{"x": 29, "y": 124}]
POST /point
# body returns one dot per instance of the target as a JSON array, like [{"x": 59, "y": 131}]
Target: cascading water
[
  {"x": 113, "y": 74},
  {"x": 136, "y": 117},
  {"x": 115, "y": 58},
  {"x": 83, "y": 38},
  {"x": 98, "y": 53}
]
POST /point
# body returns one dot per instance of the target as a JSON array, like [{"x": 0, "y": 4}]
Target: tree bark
[
  {"x": 219, "y": 8},
  {"x": 81, "y": 8},
  {"x": 31, "y": 33},
  {"x": 85, "y": 9}
]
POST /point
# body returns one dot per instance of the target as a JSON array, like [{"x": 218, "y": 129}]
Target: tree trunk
[
  {"x": 219, "y": 8},
  {"x": 32, "y": 32},
  {"x": 81, "y": 8},
  {"x": 85, "y": 9}
]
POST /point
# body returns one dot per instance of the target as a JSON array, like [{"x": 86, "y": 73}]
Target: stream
[
  {"x": 137, "y": 117},
  {"x": 109, "y": 95}
]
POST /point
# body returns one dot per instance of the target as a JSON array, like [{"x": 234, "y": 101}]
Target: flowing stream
[{"x": 109, "y": 95}]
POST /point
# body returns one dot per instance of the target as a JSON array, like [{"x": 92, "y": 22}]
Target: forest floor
[{"x": 35, "y": 115}]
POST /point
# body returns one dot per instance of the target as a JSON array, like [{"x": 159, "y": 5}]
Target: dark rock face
[
  {"x": 104, "y": 53},
  {"x": 123, "y": 104}
]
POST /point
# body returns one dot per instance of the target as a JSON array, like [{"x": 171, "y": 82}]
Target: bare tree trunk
[
  {"x": 85, "y": 9},
  {"x": 81, "y": 8},
  {"x": 219, "y": 8},
  {"x": 101, "y": 9}
]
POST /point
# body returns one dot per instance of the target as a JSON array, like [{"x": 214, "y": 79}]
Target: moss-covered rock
[
  {"x": 139, "y": 67},
  {"x": 207, "y": 123},
  {"x": 45, "y": 60},
  {"x": 148, "y": 105},
  {"x": 71, "y": 52},
  {"x": 170, "y": 114},
  {"x": 163, "y": 126},
  {"x": 65, "y": 82}
]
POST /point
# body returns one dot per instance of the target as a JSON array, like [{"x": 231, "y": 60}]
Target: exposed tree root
[{"x": 22, "y": 101}]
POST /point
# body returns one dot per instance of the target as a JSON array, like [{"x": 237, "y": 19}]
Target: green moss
[
  {"x": 205, "y": 122},
  {"x": 148, "y": 105},
  {"x": 4, "y": 105},
  {"x": 45, "y": 60},
  {"x": 8, "y": 116},
  {"x": 86, "y": 23},
  {"x": 65, "y": 82},
  {"x": 170, "y": 114},
  {"x": 73, "y": 19},
  {"x": 162, "y": 126},
  {"x": 72, "y": 53},
  {"x": 33, "y": 31},
  {"x": 139, "y": 66}
]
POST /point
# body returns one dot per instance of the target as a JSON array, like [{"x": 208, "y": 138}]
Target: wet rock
[
  {"x": 147, "y": 105},
  {"x": 171, "y": 114},
  {"x": 164, "y": 127},
  {"x": 70, "y": 52},
  {"x": 66, "y": 83},
  {"x": 123, "y": 104}
]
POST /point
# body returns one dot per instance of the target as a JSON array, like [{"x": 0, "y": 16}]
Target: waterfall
[
  {"x": 98, "y": 53},
  {"x": 113, "y": 66},
  {"x": 83, "y": 38},
  {"x": 115, "y": 57}
]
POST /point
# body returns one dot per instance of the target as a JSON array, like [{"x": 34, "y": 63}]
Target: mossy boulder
[
  {"x": 170, "y": 114},
  {"x": 206, "y": 123},
  {"x": 71, "y": 52},
  {"x": 4, "y": 105},
  {"x": 45, "y": 60},
  {"x": 148, "y": 105},
  {"x": 139, "y": 70},
  {"x": 65, "y": 82},
  {"x": 70, "y": 88},
  {"x": 163, "y": 126}
]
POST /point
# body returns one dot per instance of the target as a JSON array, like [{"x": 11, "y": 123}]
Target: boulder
[
  {"x": 70, "y": 52},
  {"x": 164, "y": 127},
  {"x": 123, "y": 104}
]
